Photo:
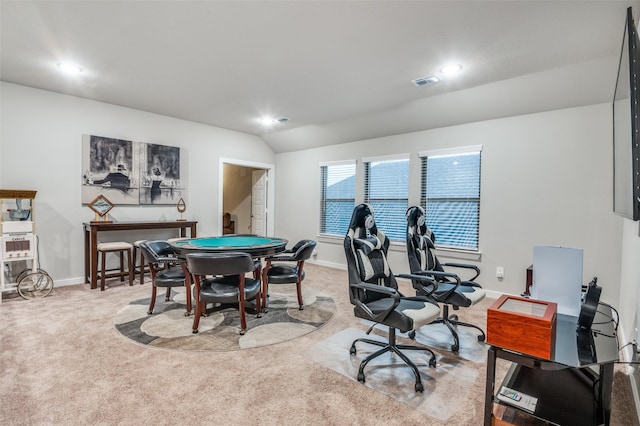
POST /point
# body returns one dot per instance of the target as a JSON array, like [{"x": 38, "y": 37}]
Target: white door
[{"x": 259, "y": 202}]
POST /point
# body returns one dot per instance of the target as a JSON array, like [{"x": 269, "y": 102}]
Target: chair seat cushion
[
  {"x": 225, "y": 289},
  {"x": 410, "y": 314},
  {"x": 116, "y": 245},
  {"x": 281, "y": 274},
  {"x": 467, "y": 294},
  {"x": 172, "y": 277}
]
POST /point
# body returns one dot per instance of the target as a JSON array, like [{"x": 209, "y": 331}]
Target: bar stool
[
  {"x": 140, "y": 268},
  {"x": 115, "y": 247}
]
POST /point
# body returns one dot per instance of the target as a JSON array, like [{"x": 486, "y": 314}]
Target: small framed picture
[{"x": 101, "y": 205}]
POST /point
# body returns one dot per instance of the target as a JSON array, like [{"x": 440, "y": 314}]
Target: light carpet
[{"x": 169, "y": 328}]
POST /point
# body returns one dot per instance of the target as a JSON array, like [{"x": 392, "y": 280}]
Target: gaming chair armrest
[
  {"x": 391, "y": 292},
  {"x": 427, "y": 290},
  {"x": 441, "y": 274},
  {"x": 465, "y": 266}
]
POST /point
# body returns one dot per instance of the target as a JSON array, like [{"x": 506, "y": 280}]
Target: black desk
[{"x": 574, "y": 386}]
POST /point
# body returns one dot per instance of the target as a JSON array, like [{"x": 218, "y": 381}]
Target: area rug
[
  {"x": 446, "y": 383},
  {"x": 169, "y": 328}
]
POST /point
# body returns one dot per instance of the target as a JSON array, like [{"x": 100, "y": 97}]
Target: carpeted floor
[{"x": 62, "y": 362}]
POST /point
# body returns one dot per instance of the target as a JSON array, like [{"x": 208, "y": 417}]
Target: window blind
[
  {"x": 450, "y": 195},
  {"x": 386, "y": 189},
  {"x": 337, "y": 197}
]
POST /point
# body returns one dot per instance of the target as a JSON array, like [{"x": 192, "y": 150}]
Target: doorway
[{"x": 246, "y": 197}]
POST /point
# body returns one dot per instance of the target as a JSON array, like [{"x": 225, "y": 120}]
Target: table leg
[
  {"x": 94, "y": 257},
  {"x": 490, "y": 385},
  {"x": 605, "y": 388},
  {"x": 87, "y": 267}
]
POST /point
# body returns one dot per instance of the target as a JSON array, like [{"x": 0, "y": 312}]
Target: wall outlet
[{"x": 500, "y": 272}]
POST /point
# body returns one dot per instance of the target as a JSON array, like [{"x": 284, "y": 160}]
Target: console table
[
  {"x": 574, "y": 386},
  {"x": 91, "y": 230}
]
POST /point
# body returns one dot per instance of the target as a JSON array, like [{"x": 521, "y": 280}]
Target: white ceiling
[{"x": 339, "y": 70}]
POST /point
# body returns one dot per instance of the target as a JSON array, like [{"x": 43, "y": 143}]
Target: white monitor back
[{"x": 557, "y": 277}]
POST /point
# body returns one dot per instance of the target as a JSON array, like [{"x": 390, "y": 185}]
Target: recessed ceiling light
[
  {"x": 450, "y": 69},
  {"x": 69, "y": 68}
]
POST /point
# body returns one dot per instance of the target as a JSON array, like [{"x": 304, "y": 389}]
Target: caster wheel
[
  {"x": 194, "y": 331},
  {"x": 166, "y": 299},
  {"x": 480, "y": 338},
  {"x": 149, "y": 312},
  {"x": 412, "y": 335},
  {"x": 455, "y": 348},
  {"x": 453, "y": 318},
  {"x": 301, "y": 308},
  {"x": 186, "y": 314},
  {"x": 352, "y": 351},
  {"x": 432, "y": 362},
  {"x": 361, "y": 377},
  {"x": 419, "y": 387},
  {"x": 242, "y": 332}
]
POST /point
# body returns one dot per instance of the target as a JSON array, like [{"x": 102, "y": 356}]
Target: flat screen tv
[{"x": 626, "y": 126}]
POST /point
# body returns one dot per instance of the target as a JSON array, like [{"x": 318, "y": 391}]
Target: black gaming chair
[
  {"x": 373, "y": 291},
  {"x": 451, "y": 290}
]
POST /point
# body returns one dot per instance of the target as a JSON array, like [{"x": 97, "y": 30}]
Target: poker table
[{"x": 254, "y": 245}]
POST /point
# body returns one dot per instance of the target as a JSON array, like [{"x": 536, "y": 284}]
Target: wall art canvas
[
  {"x": 161, "y": 176},
  {"x": 110, "y": 168}
]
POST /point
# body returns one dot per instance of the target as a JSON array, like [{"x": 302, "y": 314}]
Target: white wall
[
  {"x": 546, "y": 180},
  {"x": 40, "y": 148}
]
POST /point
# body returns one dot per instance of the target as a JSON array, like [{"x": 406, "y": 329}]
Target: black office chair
[
  {"x": 451, "y": 290},
  {"x": 227, "y": 284},
  {"x": 166, "y": 270},
  {"x": 373, "y": 291},
  {"x": 289, "y": 268}
]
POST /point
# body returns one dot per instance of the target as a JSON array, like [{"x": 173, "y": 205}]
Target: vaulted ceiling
[{"x": 339, "y": 70}]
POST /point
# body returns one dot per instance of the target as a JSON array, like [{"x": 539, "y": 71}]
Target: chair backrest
[
  {"x": 303, "y": 250},
  {"x": 420, "y": 242},
  {"x": 153, "y": 250},
  {"x": 366, "y": 251},
  {"x": 223, "y": 263}
]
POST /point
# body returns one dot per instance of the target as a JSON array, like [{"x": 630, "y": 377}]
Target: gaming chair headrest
[
  {"x": 362, "y": 218},
  {"x": 416, "y": 222}
]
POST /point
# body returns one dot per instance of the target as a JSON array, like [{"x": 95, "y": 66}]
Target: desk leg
[
  {"x": 606, "y": 387},
  {"x": 490, "y": 385}
]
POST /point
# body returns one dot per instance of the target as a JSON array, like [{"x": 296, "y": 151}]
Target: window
[
  {"x": 337, "y": 200},
  {"x": 386, "y": 189},
  {"x": 450, "y": 195}
]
